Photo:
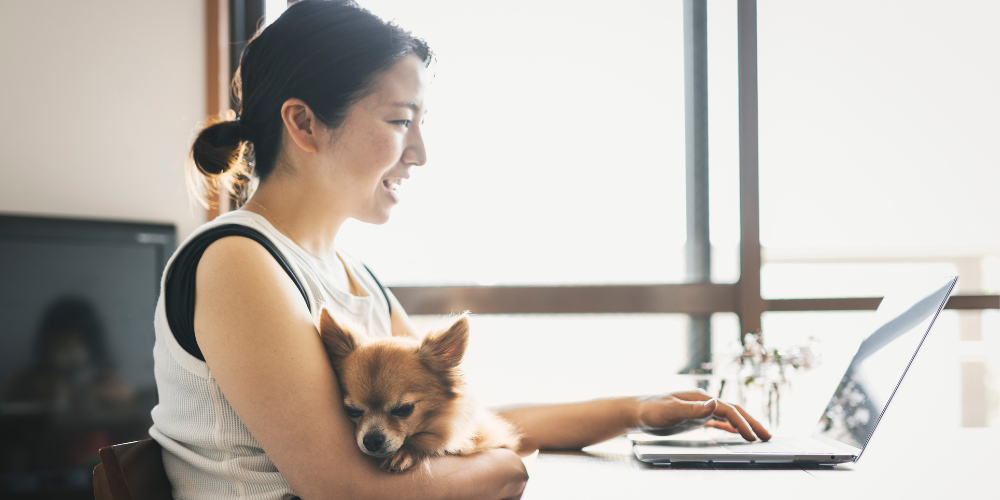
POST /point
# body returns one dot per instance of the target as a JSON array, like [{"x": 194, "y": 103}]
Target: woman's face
[{"x": 379, "y": 141}]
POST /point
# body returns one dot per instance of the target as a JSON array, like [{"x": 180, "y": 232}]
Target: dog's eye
[
  {"x": 403, "y": 411},
  {"x": 354, "y": 412}
]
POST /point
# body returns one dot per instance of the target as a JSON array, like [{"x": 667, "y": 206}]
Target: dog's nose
[{"x": 373, "y": 442}]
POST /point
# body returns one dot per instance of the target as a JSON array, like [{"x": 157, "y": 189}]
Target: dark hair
[
  {"x": 71, "y": 315},
  {"x": 326, "y": 53}
]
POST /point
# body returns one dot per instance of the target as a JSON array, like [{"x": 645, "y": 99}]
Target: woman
[{"x": 330, "y": 120}]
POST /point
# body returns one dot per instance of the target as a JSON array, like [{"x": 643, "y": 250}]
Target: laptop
[{"x": 903, "y": 321}]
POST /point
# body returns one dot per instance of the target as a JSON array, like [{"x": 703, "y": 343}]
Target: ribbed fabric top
[{"x": 207, "y": 451}]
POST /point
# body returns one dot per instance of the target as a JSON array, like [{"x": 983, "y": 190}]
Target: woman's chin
[
  {"x": 380, "y": 207},
  {"x": 377, "y": 217}
]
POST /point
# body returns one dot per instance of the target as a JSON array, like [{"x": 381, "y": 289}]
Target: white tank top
[{"x": 207, "y": 452}]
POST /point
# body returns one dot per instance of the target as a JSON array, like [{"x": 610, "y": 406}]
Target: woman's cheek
[{"x": 384, "y": 150}]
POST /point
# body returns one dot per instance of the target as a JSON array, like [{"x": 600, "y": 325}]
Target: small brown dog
[{"x": 407, "y": 397}]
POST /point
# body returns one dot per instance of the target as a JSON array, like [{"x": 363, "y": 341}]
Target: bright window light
[
  {"x": 273, "y": 9},
  {"x": 556, "y": 147},
  {"x": 879, "y": 123}
]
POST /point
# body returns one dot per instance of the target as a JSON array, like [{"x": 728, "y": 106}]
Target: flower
[{"x": 757, "y": 361}]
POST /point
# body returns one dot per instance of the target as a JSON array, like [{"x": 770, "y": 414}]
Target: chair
[{"x": 131, "y": 471}]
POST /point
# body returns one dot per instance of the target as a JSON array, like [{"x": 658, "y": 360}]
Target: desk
[{"x": 893, "y": 466}]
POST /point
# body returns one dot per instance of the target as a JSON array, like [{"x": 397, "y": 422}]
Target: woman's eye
[
  {"x": 403, "y": 411},
  {"x": 354, "y": 412},
  {"x": 402, "y": 123}
]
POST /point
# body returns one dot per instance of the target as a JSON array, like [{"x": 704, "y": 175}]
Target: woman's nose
[{"x": 415, "y": 153}]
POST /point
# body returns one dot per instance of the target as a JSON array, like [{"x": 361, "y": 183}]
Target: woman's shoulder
[
  {"x": 237, "y": 266},
  {"x": 236, "y": 254},
  {"x": 244, "y": 218},
  {"x": 231, "y": 239},
  {"x": 234, "y": 218}
]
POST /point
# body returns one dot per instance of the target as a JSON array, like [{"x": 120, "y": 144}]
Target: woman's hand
[{"x": 684, "y": 411}]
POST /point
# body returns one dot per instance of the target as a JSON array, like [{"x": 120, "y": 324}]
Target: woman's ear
[
  {"x": 443, "y": 351},
  {"x": 339, "y": 342},
  {"x": 301, "y": 124}
]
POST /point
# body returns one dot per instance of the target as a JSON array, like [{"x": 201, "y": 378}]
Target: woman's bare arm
[
  {"x": 576, "y": 425},
  {"x": 570, "y": 426},
  {"x": 263, "y": 349}
]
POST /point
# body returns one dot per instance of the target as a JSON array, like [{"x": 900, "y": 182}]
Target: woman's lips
[{"x": 391, "y": 188}]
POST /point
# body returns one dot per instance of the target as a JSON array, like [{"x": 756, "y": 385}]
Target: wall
[{"x": 99, "y": 101}]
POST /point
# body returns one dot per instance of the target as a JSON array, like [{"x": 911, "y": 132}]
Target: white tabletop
[{"x": 954, "y": 463}]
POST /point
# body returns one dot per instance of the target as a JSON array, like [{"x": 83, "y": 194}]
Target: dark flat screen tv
[{"x": 76, "y": 346}]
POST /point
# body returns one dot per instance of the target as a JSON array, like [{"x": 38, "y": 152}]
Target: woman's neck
[{"x": 301, "y": 212}]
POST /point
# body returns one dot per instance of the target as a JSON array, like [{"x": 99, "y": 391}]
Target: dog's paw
[{"x": 403, "y": 460}]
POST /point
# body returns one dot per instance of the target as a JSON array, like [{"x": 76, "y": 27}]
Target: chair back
[{"x": 131, "y": 471}]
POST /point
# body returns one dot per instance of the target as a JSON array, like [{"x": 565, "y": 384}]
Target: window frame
[
  {"x": 228, "y": 25},
  {"x": 743, "y": 297}
]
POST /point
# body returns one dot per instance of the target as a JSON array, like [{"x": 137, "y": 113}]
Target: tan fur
[{"x": 380, "y": 376}]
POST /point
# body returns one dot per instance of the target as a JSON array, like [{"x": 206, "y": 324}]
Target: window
[
  {"x": 562, "y": 124},
  {"x": 878, "y": 161}
]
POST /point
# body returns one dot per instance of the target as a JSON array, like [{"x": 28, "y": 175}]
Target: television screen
[{"x": 76, "y": 337}]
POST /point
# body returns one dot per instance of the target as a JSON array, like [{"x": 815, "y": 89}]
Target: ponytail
[{"x": 221, "y": 154}]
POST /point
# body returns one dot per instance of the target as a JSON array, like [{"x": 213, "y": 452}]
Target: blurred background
[{"x": 561, "y": 159}]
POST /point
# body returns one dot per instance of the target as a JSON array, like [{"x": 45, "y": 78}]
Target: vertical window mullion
[{"x": 750, "y": 305}]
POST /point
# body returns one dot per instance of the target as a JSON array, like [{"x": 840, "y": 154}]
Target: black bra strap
[{"x": 179, "y": 291}]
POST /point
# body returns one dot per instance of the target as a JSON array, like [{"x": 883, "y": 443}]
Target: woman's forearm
[
  {"x": 493, "y": 475},
  {"x": 572, "y": 425}
]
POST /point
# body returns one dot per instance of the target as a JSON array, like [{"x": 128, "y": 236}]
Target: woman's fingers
[
  {"x": 719, "y": 424},
  {"x": 701, "y": 409},
  {"x": 738, "y": 414},
  {"x": 698, "y": 395},
  {"x": 757, "y": 427},
  {"x": 672, "y": 411},
  {"x": 735, "y": 418}
]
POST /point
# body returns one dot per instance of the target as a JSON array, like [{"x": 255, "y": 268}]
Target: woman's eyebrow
[{"x": 407, "y": 104}]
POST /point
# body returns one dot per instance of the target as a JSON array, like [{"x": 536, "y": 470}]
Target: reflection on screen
[
  {"x": 880, "y": 363},
  {"x": 76, "y": 359}
]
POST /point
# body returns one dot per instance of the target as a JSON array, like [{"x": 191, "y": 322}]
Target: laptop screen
[{"x": 902, "y": 320}]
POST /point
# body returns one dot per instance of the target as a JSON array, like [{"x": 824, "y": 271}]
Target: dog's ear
[
  {"x": 443, "y": 350},
  {"x": 339, "y": 341}
]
